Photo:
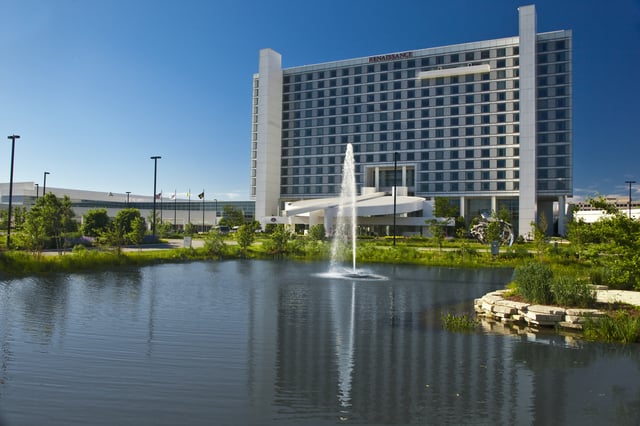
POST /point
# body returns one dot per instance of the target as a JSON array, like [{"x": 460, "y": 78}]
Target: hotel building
[{"x": 486, "y": 125}]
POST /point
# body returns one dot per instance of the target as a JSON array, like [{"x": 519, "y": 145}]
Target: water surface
[{"x": 270, "y": 343}]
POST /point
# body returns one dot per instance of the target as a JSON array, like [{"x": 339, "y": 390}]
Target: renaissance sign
[{"x": 391, "y": 57}]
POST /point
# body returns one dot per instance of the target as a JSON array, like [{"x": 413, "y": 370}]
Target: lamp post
[
  {"x": 128, "y": 192},
  {"x": 202, "y": 211},
  {"x": 44, "y": 187},
  {"x": 155, "y": 159},
  {"x": 630, "y": 182},
  {"x": 395, "y": 191},
  {"x": 13, "y": 145},
  {"x": 215, "y": 217},
  {"x": 37, "y": 191},
  {"x": 175, "y": 209}
]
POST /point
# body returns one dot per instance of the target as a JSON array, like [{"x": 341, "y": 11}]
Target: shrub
[
  {"x": 214, "y": 243},
  {"x": 458, "y": 323},
  {"x": 533, "y": 281},
  {"x": 620, "y": 327},
  {"x": 569, "y": 291},
  {"x": 317, "y": 232}
]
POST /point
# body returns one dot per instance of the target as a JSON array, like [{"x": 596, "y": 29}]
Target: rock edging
[{"x": 494, "y": 305}]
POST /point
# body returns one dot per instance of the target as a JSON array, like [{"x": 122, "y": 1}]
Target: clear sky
[{"x": 96, "y": 87}]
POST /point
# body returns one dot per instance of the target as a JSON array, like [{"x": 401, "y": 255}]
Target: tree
[
  {"x": 48, "y": 222},
  {"x": 138, "y": 229},
  {"x": 245, "y": 236},
  {"x": 437, "y": 231},
  {"x": 95, "y": 221},
  {"x": 279, "y": 240},
  {"x": 165, "y": 229},
  {"x": 540, "y": 234},
  {"x": 444, "y": 208},
  {"x": 317, "y": 232},
  {"x": 18, "y": 217},
  {"x": 214, "y": 243},
  {"x": 34, "y": 235},
  {"x": 125, "y": 228},
  {"x": 231, "y": 217},
  {"x": 189, "y": 229}
]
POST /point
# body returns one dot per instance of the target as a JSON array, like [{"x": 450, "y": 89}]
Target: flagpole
[
  {"x": 175, "y": 210},
  {"x": 189, "y": 207},
  {"x": 203, "y": 211},
  {"x": 161, "y": 207}
]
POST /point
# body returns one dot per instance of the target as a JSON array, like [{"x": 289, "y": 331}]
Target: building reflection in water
[{"x": 375, "y": 353}]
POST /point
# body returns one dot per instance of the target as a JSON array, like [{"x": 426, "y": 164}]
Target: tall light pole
[
  {"x": 37, "y": 191},
  {"x": 202, "y": 210},
  {"x": 215, "y": 217},
  {"x": 630, "y": 182},
  {"x": 128, "y": 192},
  {"x": 13, "y": 145},
  {"x": 44, "y": 187},
  {"x": 155, "y": 159},
  {"x": 395, "y": 191}
]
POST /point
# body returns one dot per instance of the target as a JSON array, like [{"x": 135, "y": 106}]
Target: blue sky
[{"x": 96, "y": 87}]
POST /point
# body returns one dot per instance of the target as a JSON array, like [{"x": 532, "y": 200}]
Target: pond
[{"x": 271, "y": 343}]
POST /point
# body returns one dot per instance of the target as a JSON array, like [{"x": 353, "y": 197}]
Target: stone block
[
  {"x": 546, "y": 310},
  {"x": 542, "y": 318},
  {"x": 505, "y": 310},
  {"x": 570, "y": 325},
  {"x": 521, "y": 306}
]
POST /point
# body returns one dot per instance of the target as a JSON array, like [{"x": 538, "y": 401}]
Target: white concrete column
[
  {"x": 404, "y": 175},
  {"x": 462, "y": 206},
  {"x": 528, "y": 196},
  {"x": 494, "y": 205},
  {"x": 267, "y": 122},
  {"x": 562, "y": 220},
  {"x": 377, "y": 178}
]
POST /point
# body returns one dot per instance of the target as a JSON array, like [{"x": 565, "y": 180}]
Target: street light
[
  {"x": 630, "y": 182},
  {"x": 215, "y": 217},
  {"x": 155, "y": 174},
  {"x": 13, "y": 145},
  {"x": 44, "y": 187},
  {"x": 395, "y": 191}
]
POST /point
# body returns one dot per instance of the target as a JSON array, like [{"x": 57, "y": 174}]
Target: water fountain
[
  {"x": 345, "y": 221},
  {"x": 345, "y": 225}
]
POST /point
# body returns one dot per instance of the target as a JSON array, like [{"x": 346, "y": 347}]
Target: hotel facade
[{"x": 486, "y": 125}]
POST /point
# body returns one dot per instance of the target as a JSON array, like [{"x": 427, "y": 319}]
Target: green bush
[
  {"x": 620, "y": 327},
  {"x": 533, "y": 281},
  {"x": 569, "y": 291}
]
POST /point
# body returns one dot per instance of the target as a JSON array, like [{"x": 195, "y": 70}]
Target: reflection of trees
[{"x": 44, "y": 302}]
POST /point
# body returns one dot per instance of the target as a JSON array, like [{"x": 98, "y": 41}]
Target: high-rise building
[{"x": 486, "y": 125}]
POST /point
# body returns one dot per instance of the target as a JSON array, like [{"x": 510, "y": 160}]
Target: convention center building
[{"x": 486, "y": 125}]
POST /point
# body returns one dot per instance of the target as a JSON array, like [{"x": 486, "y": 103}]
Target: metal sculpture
[{"x": 479, "y": 231}]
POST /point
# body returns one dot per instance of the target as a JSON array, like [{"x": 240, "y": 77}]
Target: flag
[
  {"x": 201, "y": 195},
  {"x": 189, "y": 194},
  {"x": 173, "y": 196},
  {"x": 158, "y": 195}
]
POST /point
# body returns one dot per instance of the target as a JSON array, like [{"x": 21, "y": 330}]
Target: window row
[
  {"x": 292, "y": 75},
  {"x": 467, "y": 187},
  {"x": 499, "y": 70},
  {"x": 405, "y": 129},
  {"x": 380, "y": 102},
  {"x": 378, "y": 92},
  {"x": 354, "y": 114}
]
